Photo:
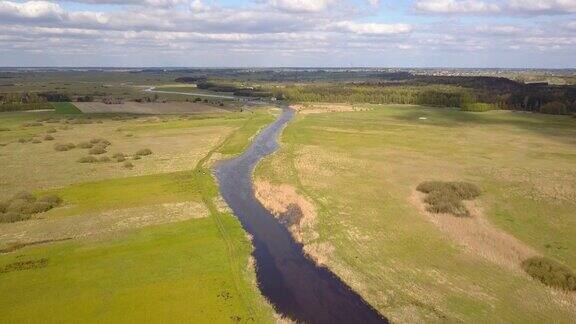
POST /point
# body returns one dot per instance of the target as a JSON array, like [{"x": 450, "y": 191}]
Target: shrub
[
  {"x": 446, "y": 197},
  {"x": 478, "y": 107},
  {"x": 19, "y": 206},
  {"x": 128, "y": 165},
  {"x": 144, "y": 152},
  {"x": 24, "y": 195},
  {"x": 136, "y": 157},
  {"x": 52, "y": 130},
  {"x": 23, "y": 140},
  {"x": 554, "y": 108},
  {"x": 119, "y": 157},
  {"x": 104, "y": 159},
  {"x": 37, "y": 207},
  {"x": 61, "y": 147},
  {"x": 12, "y": 217},
  {"x": 97, "y": 150},
  {"x": 70, "y": 146},
  {"x": 4, "y": 129},
  {"x": 48, "y": 138},
  {"x": 33, "y": 124},
  {"x": 88, "y": 159},
  {"x": 3, "y": 206},
  {"x": 100, "y": 141},
  {"x": 550, "y": 273},
  {"x": 85, "y": 145},
  {"x": 53, "y": 200},
  {"x": 36, "y": 141}
]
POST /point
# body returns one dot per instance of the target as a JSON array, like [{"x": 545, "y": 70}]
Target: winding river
[{"x": 293, "y": 283}]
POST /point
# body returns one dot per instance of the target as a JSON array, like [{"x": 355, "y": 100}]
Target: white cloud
[
  {"x": 277, "y": 28},
  {"x": 374, "y": 29},
  {"x": 502, "y": 7},
  {"x": 301, "y": 5},
  {"x": 456, "y": 7},
  {"x": 542, "y": 6},
  {"x": 499, "y": 29}
]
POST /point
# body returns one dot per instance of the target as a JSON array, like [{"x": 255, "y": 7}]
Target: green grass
[
  {"x": 191, "y": 271},
  {"x": 360, "y": 169},
  {"x": 171, "y": 273},
  {"x": 67, "y": 108}
]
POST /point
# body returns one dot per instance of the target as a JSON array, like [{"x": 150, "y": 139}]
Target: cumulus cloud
[
  {"x": 301, "y": 5},
  {"x": 502, "y": 7},
  {"x": 456, "y": 6},
  {"x": 372, "y": 28},
  {"x": 551, "y": 7},
  {"x": 499, "y": 29},
  {"x": 278, "y": 28}
]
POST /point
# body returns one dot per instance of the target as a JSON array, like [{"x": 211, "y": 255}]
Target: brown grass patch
[
  {"x": 96, "y": 224},
  {"x": 297, "y": 214},
  {"x": 24, "y": 265},
  {"x": 148, "y": 108},
  {"x": 477, "y": 235}
]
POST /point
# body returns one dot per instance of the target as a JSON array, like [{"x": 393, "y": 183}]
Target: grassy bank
[{"x": 360, "y": 170}]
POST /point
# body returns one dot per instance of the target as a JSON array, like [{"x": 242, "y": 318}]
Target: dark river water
[{"x": 293, "y": 283}]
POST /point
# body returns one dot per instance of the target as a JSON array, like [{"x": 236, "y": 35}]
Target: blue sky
[{"x": 225, "y": 33}]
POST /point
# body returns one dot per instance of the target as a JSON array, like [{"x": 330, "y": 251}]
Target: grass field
[
  {"x": 360, "y": 167},
  {"x": 151, "y": 243},
  {"x": 66, "y": 108}
]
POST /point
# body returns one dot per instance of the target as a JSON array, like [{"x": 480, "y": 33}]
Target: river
[{"x": 293, "y": 283}]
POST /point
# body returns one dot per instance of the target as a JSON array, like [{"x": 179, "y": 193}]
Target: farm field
[
  {"x": 353, "y": 171},
  {"x": 141, "y": 233},
  {"x": 149, "y": 108}
]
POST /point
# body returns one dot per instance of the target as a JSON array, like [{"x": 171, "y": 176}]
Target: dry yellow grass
[
  {"x": 477, "y": 235},
  {"x": 281, "y": 201},
  {"x": 95, "y": 224},
  {"x": 34, "y": 166},
  {"x": 360, "y": 170},
  {"x": 149, "y": 108}
]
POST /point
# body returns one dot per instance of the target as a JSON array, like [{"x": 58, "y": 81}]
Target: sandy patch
[
  {"x": 148, "y": 108},
  {"x": 297, "y": 214},
  {"x": 98, "y": 223},
  {"x": 478, "y": 236}
]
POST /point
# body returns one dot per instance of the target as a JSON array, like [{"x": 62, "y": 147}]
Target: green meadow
[
  {"x": 360, "y": 170},
  {"x": 107, "y": 254}
]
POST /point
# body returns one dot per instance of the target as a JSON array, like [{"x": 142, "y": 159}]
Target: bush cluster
[
  {"x": 119, "y": 157},
  {"x": 85, "y": 145},
  {"x": 96, "y": 150},
  {"x": 554, "y": 108},
  {"x": 88, "y": 159},
  {"x": 48, "y": 138},
  {"x": 32, "y": 124},
  {"x": 23, "y": 205},
  {"x": 446, "y": 197},
  {"x": 64, "y": 147},
  {"x": 144, "y": 152},
  {"x": 550, "y": 273}
]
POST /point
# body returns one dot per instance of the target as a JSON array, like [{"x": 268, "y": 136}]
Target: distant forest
[{"x": 469, "y": 93}]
